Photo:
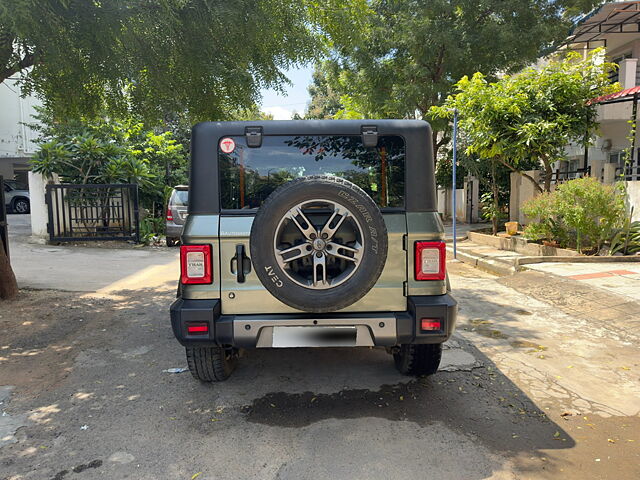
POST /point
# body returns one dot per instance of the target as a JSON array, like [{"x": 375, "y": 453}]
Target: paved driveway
[
  {"x": 536, "y": 385},
  {"x": 86, "y": 269}
]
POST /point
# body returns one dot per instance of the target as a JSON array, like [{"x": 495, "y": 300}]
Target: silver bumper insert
[{"x": 376, "y": 329}]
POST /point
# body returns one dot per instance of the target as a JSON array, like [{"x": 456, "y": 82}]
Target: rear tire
[
  {"x": 418, "y": 359},
  {"x": 211, "y": 364},
  {"x": 172, "y": 242}
]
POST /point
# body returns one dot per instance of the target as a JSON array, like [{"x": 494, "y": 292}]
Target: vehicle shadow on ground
[{"x": 482, "y": 403}]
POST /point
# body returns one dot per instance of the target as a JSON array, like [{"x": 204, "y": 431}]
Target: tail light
[
  {"x": 195, "y": 264},
  {"x": 197, "y": 328},
  {"x": 430, "y": 324},
  {"x": 430, "y": 260},
  {"x": 169, "y": 215}
]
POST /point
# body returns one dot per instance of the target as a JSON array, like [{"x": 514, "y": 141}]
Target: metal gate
[
  {"x": 93, "y": 212},
  {"x": 4, "y": 230},
  {"x": 469, "y": 200}
]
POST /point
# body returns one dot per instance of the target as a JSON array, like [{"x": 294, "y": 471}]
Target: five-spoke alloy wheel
[{"x": 329, "y": 247}]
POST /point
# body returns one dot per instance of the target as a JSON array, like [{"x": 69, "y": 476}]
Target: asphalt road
[{"x": 537, "y": 383}]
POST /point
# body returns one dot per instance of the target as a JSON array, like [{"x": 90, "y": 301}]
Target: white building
[
  {"x": 614, "y": 26},
  {"x": 16, "y": 139}
]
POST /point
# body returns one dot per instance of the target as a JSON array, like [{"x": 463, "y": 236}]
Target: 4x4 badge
[{"x": 227, "y": 145}]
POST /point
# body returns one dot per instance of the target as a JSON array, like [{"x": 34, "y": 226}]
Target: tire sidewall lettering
[{"x": 273, "y": 276}]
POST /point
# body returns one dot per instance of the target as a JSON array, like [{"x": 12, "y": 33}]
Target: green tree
[
  {"x": 325, "y": 101},
  {"x": 203, "y": 57},
  {"x": 532, "y": 116},
  {"x": 397, "y": 59},
  {"x": 112, "y": 151}
]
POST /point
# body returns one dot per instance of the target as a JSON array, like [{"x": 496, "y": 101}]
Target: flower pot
[
  {"x": 512, "y": 228},
  {"x": 552, "y": 243}
]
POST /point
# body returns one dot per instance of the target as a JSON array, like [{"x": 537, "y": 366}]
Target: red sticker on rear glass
[{"x": 227, "y": 145}]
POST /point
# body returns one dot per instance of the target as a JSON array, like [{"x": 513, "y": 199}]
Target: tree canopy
[
  {"x": 398, "y": 58},
  {"x": 531, "y": 117},
  {"x": 204, "y": 57}
]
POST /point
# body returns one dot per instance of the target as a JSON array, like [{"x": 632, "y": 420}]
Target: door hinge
[
  {"x": 253, "y": 136},
  {"x": 405, "y": 289},
  {"x": 405, "y": 242},
  {"x": 369, "y": 135}
]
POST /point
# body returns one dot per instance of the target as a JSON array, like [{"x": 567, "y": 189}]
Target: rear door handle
[{"x": 242, "y": 264}]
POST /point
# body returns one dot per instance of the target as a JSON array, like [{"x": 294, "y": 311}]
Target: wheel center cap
[{"x": 319, "y": 244}]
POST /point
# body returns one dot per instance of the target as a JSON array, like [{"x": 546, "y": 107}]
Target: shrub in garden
[{"x": 581, "y": 213}]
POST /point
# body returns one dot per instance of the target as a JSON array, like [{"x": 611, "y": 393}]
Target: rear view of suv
[
  {"x": 312, "y": 234},
  {"x": 176, "y": 214}
]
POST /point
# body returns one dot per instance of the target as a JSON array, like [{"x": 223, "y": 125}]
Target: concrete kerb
[
  {"x": 505, "y": 267},
  {"x": 577, "y": 259},
  {"x": 495, "y": 266}
]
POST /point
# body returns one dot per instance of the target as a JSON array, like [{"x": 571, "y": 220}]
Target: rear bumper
[
  {"x": 173, "y": 230},
  {"x": 256, "y": 331}
]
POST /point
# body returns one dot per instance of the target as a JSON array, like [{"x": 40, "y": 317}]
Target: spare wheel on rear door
[{"x": 318, "y": 243}]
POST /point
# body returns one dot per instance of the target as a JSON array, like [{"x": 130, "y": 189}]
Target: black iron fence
[
  {"x": 93, "y": 212},
  {"x": 4, "y": 230},
  {"x": 559, "y": 176},
  {"x": 629, "y": 173}
]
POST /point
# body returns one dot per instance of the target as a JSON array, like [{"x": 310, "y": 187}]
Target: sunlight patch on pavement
[{"x": 153, "y": 277}]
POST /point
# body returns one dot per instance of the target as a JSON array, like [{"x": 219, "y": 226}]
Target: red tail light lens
[
  {"x": 430, "y": 324},
  {"x": 430, "y": 260},
  {"x": 200, "y": 328},
  {"x": 195, "y": 264},
  {"x": 169, "y": 215}
]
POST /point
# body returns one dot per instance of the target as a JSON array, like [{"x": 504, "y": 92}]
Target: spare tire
[{"x": 318, "y": 243}]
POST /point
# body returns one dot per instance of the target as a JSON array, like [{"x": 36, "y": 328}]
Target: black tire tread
[
  {"x": 421, "y": 359},
  {"x": 209, "y": 364}
]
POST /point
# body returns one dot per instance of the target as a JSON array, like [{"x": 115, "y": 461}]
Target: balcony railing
[
  {"x": 559, "y": 176},
  {"x": 629, "y": 173}
]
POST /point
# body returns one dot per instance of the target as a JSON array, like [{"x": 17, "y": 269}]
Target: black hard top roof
[{"x": 420, "y": 189}]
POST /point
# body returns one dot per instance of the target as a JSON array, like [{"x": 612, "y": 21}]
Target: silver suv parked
[
  {"x": 176, "y": 214},
  {"x": 312, "y": 234},
  {"x": 16, "y": 197}
]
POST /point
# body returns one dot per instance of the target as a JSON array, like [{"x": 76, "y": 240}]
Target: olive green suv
[{"x": 312, "y": 234}]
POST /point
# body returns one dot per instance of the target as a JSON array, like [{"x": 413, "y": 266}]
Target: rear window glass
[
  {"x": 180, "y": 198},
  {"x": 249, "y": 175}
]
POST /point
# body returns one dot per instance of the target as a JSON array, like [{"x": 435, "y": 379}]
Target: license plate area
[{"x": 314, "y": 336}]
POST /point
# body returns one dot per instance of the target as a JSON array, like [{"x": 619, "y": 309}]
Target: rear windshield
[
  {"x": 180, "y": 198},
  {"x": 249, "y": 175}
]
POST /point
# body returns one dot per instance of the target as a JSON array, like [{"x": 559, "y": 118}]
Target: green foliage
[
  {"x": 112, "y": 151},
  {"x": 626, "y": 240},
  {"x": 203, "y": 57},
  {"x": 583, "y": 213},
  {"x": 545, "y": 224},
  {"x": 490, "y": 211},
  {"x": 151, "y": 228},
  {"x": 396, "y": 59},
  {"x": 444, "y": 171},
  {"x": 531, "y": 116},
  {"x": 325, "y": 101}
]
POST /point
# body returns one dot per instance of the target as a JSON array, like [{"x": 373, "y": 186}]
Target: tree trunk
[
  {"x": 8, "y": 284},
  {"x": 547, "y": 177},
  {"x": 496, "y": 202}
]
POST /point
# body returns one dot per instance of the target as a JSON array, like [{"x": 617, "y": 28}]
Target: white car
[{"x": 16, "y": 197}]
